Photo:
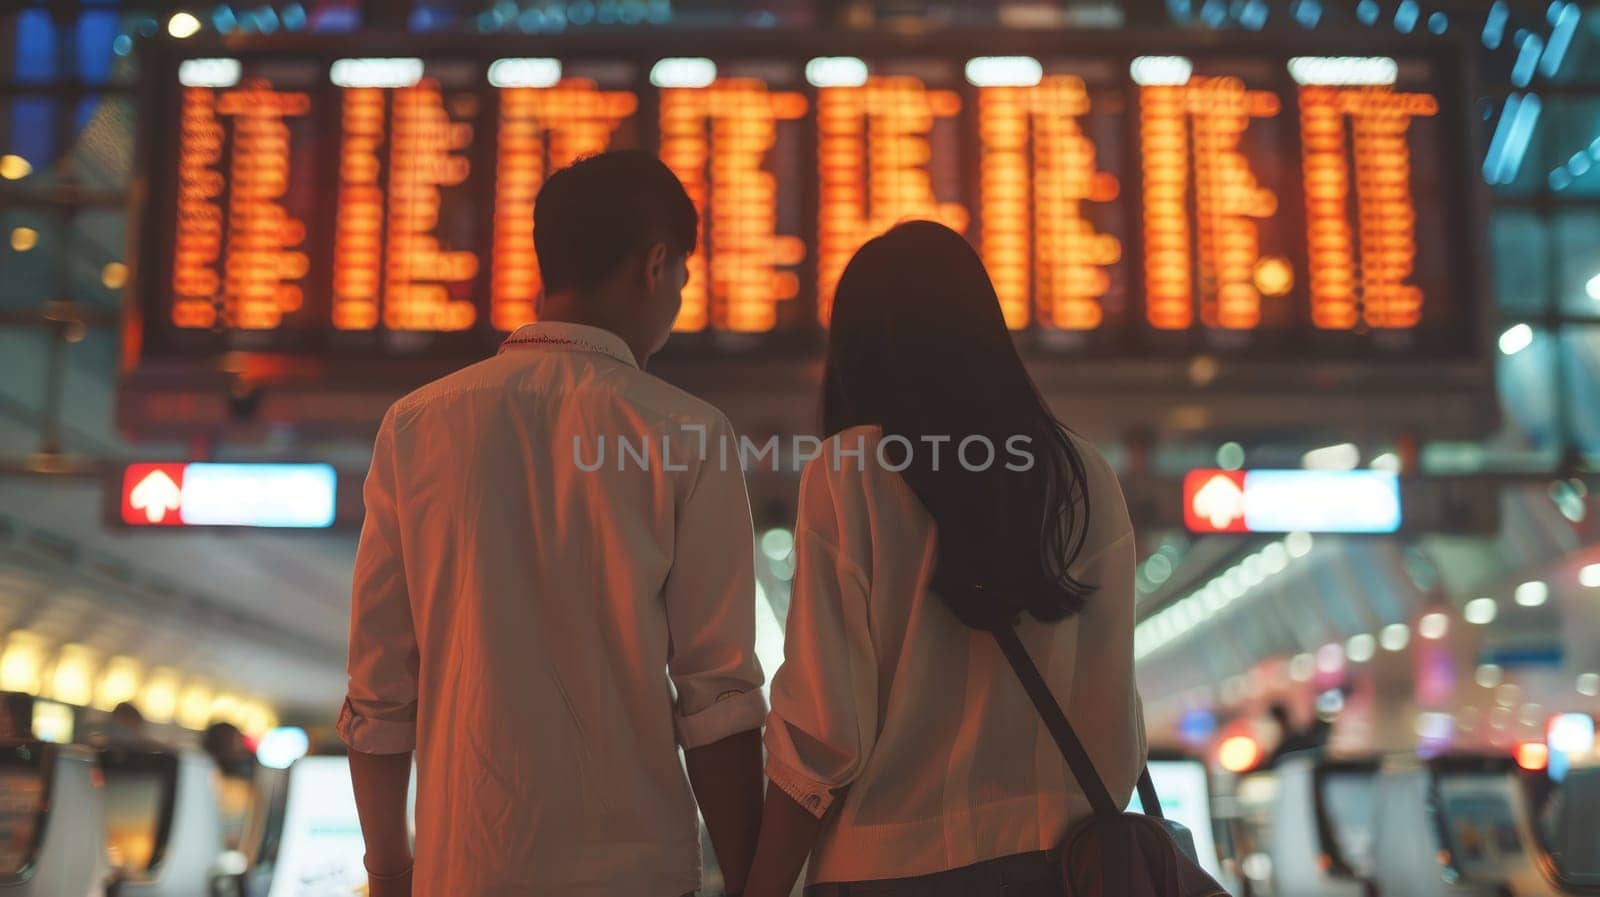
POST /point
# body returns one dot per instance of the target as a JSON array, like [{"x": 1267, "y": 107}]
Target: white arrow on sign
[
  {"x": 156, "y": 495},
  {"x": 1220, "y": 501}
]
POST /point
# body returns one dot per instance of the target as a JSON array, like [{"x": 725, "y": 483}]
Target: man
[{"x": 543, "y": 631}]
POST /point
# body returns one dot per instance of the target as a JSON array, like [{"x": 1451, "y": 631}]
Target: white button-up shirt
[
  {"x": 554, "y": 591},
  {"x": 884, "y": 692}
]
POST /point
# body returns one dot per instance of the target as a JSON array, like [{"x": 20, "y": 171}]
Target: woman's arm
[
  {"x": 824, "y": 717},
  {"x": 788, "y": 832}
]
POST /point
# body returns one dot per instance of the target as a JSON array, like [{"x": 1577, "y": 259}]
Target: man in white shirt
[{"x": 545, "y": 631}]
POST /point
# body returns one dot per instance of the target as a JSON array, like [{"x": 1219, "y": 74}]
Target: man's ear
[{"x": 655, "y": 266}]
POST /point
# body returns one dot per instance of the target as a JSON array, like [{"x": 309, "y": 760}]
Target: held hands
[{"x": 396, "y": 885}]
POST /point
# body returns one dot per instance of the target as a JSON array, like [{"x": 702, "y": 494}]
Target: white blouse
[{"x": 914, "y": 724}]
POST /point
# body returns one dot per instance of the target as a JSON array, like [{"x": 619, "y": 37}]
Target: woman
[{"x": 904, "y": 756}]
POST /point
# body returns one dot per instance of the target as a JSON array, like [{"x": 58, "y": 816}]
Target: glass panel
[
  {"x": 104, "y": 154},
  {"x": 96, "y": 270},
  {"x": 36, "y": 47},
  {"x": 84, "y": 112},
  {"x": 30, "y": 255},
  {"x": 1526, "y": 402},
  {"x": 1521, "y": 272},
  {"x": 1577, "y": 236},
  {"x": 1581, "y": 351},
  {"x": 1571, "y": 144},
  {"x": 33, "y": 131},
  {"x": 97, "y": 30}
]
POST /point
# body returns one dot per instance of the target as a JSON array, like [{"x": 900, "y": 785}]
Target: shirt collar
[{"x": 565, "y": 336}]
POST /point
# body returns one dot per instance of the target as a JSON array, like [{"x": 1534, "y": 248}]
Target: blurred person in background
[
  {"x": 1295, "y": 739},
  {"x": 127, "y": 725},
  {"x": 126, "y": 728},
  {"x": 546, "y": 635},
  {"x": 228, "y": 750},
  {"x": 236, "y": 765},
  {"x": 905, "y": 756}
]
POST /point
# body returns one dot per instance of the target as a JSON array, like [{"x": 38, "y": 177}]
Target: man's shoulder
[
  {"x": 473, "y": 375},
  {"x": 604, "y": 381},
  {"x": 653, "y": 394}
]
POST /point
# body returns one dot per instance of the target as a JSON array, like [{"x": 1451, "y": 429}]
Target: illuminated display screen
[
  {"x": 1185, "y": 799},
  {"x": 1265, "y": 202},
  {"x": 133, "y": 806},
  {"x": 1479, "y": 824},
  {"x": 320, "y": 849}
]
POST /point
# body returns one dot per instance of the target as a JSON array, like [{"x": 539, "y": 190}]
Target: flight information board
[{"x": 1142, "y": 198}]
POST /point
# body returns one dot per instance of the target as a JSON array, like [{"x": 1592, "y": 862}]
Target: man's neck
[{"x": 564, "y": 311}]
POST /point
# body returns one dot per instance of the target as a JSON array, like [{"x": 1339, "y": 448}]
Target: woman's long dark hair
[{"x": 917, "y": 345}]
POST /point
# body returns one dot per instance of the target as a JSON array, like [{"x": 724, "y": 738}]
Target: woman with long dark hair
[{"x": 905, "y": 758}]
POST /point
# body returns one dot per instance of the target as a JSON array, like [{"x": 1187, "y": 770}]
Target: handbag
[{"x": 1113, "y": 853}]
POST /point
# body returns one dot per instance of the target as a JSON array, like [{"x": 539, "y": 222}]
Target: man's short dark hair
[{"x": 592, "y": 216}]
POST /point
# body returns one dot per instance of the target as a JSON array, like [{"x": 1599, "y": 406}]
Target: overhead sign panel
[
  {"x": 277, "y": 496},
  {"x": 1285, "y": 501}
]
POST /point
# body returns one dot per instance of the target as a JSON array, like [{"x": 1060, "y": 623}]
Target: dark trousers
[{"x": 1024, "y": 875}]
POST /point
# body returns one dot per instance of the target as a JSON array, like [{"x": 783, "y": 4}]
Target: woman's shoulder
[
  {"x": 840, "y": 453},
  {"x": 1109, "y": 520},
  {"x": 855, "y": 471}
]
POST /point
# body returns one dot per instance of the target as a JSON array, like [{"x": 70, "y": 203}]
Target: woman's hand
[{"x": 788, "y": 832}]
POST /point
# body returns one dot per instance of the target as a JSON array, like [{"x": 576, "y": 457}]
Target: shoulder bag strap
[{"x": 1066, "y": 739}]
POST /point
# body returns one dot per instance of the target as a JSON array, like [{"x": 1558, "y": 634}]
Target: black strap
[{"x": 1066, "y": 739}]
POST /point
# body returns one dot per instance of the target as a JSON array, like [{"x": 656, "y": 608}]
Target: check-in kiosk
[
  {"x": 1320, "y": 837},
  {"x": 304, "y": 835},
  {"x": 1185, "y": 788},
  {"x": 257, "y": 850},
  {"x": 317, "y": 846},
  {"x": 1250, "y": 823},
  {"x": 1569, "y": 827},
  {"x": 162, "y": 826},
  {"x": 52, "y": 843},
  {"x": 1456, "y": 826}
]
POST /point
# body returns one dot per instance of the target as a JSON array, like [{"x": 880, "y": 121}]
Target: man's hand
[{"x": 727, "y": 783}]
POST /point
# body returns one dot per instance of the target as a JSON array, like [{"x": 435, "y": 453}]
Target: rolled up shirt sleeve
[
  {"x": 710, "y": 598},
  {"x": 823, "y": 724},
  {"x": 380, "y": 708}
]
